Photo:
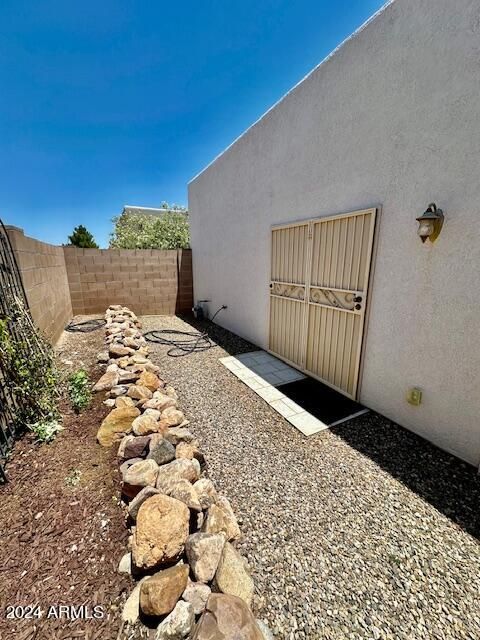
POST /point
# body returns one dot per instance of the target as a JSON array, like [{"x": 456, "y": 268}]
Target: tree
[
  {"x": 170, "y": 230},
  {"x": 81, "y": 237}
]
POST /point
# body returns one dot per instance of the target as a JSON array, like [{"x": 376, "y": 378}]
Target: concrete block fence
[
  {"x": 44, "y": 276},
  {"x": 61, "y": 282}
]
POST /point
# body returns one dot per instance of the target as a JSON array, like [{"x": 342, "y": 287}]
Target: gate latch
[{"x": 358, "y": 299}]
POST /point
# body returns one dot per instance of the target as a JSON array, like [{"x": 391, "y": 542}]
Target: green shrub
[
  {"x": 169, "y": 230},
  {"x": 79, "y": 390},
  {"x": 46, "y": 430},
  {"x": 28, "y": 368}
]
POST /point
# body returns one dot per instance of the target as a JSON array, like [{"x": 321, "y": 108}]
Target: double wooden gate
[{"x": 318, "y": 293}]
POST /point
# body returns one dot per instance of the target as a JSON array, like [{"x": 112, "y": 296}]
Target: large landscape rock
[
  {"x": 160, "y": 402},
  {"x": 117, "y": 391},
  {"x": 153, "y": 413},
  {"x": 226, "y": 618},
  {"x": 149, "y": 366},
  {"x": 179, "y": 469},
  {"x": 132, "y": 333},
  {"x": 160, "y": 593},
  {"x": 232, "y": 576},
  {"x": 117, "y": 350},
  {"x": 139, "y": 358},
  {"x": 143, "y": 425},
  {"x": 141, "y": 474},
  {"x": 178, "y": 624},
  {"x": 125, "y": 564},
  {"x": 185, "y": 450},
  {"x": 171, "y": 417},
  {"x": 131, "y": 608},
  {"x": 181, "y": 490},
  {"x": 135, "y": 447},
  {"x": 221, "y": 521},
  {"x": 107, "y": 381},
  {"x": 134, "y": 343},
  {"x": 161, "y": 472},
  {"x": 204, "y": 551},
  {"x": 162, "y": 452},
  {"x": 116, "y": 424},
  {"x": 127, "y": 464},
  {"x": 124, "y": 401},
  {"x": 197, "y": 594},
  {"x": 124, "y": 363},
  {"x": 161, "y": 531},
  {"x": 179, "y": 434},
  {"x": 170, "y": 391},
  {"x": 139, "y": 393},
  {"x": 125, "y": 377},
  {"x": 139, "y": 499},
  {"x": 123, "y": 443},
  {"x": 206, "y": 492},
  {"x": 150, "y": 380}
]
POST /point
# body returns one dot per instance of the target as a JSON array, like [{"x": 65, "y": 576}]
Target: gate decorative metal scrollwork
[
  {"x": 333, "y": 297},
  {"x": 293, "y": 291},
  {"x": 11, "y": 288}
]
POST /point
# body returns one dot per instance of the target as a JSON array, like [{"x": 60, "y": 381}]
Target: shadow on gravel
[
  {"x": 447, "y": 483},
  {"x": 228, "y": 341}
]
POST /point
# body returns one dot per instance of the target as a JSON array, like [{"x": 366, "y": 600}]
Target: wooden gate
[{"x": 318, "y": 294}]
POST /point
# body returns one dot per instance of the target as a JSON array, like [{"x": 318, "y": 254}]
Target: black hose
[
  {"x": 189, "y": 342},
  {"x": 86, "y": 326}
]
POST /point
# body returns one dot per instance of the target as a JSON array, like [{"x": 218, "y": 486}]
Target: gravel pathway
[{"x": 361, "y": 531}]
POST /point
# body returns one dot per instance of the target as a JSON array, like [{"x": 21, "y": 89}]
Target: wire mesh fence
[{"x": 12, "y": 294}]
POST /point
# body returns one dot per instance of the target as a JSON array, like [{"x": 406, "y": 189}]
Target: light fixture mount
[{"x": 430, "y": 223}]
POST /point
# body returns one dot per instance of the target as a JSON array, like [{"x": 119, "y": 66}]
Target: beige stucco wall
[
  {"x": 44, "y": 277},
  {"x": 391, "y": 119},
  {"x": 147, "y": 281}
]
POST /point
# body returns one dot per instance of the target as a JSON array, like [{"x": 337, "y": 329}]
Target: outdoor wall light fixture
[{"x": 430, "y": 223}]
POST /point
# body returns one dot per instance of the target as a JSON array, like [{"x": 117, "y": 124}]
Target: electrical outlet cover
[{"x": 414, "y": 396}]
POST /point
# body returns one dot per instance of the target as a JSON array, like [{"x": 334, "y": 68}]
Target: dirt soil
[{"x": 62, "y": 530}]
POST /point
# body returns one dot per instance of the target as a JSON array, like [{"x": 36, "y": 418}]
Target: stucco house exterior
[{"x": 336, "y": 173}]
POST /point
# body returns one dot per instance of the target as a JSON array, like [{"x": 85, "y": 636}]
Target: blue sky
[{"x": 119, "y": 102}]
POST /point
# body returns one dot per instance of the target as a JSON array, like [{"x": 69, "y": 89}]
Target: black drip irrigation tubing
[
  {"x": 188, "y": 341},
  {"x": 86, "y": 326}
]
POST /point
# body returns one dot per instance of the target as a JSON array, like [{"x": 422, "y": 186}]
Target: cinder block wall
[
  {"x": 44, "y": 276},
  {"x": 148, "y": 281}
]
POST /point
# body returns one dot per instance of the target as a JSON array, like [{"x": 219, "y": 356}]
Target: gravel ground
[{"x": 361, "y": 531}]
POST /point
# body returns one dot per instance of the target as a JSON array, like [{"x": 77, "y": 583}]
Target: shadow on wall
[
  {"x": 184, "y": 300},
  {"x": 447, "y": 483}
]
